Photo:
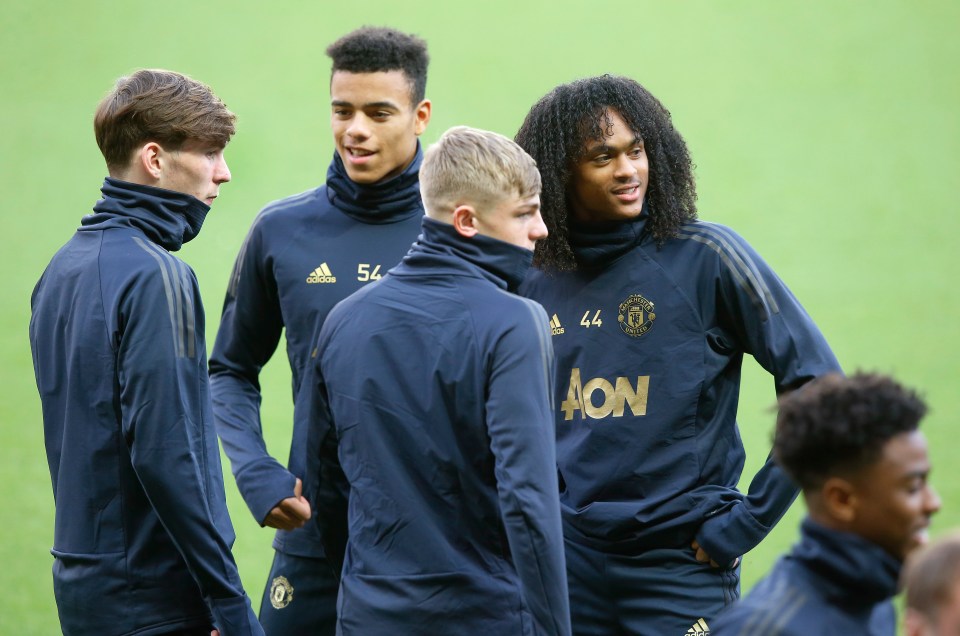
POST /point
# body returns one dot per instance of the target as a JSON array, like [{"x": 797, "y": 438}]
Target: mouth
[
  {"x": 627, "y": 194},
  {"x": 358, "y": 155}
]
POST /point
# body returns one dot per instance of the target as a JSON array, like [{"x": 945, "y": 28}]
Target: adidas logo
[
  {"x": 321, "y": 275},
  {"x": 555, "y": 327},
  {"x": 699, "y": 629}
]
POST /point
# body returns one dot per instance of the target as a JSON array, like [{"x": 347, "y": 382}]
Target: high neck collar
[
  {"x": 855, "y": 571},
  {"x": 385, "y": 201},
  {"x": 168, "y": 218},
  {"x": 442, "y": 249},
  {"x": 599, "y": 244}
]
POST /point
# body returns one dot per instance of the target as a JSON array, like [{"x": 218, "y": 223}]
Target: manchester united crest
[
  {"x": 636, "y": 315},
  {"x": 281, "y": 592}
]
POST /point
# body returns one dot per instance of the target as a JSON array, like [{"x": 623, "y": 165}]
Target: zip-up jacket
[
  {"x": 142, "y": 536},
  {"x": 434, "y": 386},
  {"x": 649, "y": 346},
  {"x": 302, "y": 256},
  {"x": 831, "y": 584}
]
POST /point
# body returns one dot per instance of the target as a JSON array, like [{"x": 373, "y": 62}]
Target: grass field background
[{"x": 825, "y": 132}]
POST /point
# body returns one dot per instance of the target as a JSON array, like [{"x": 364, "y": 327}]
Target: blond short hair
[
  {"x": 475, "y": 167},
  {"x": 931, "y": 576}
]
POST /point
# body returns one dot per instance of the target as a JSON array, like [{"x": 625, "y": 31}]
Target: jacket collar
[
  {"x": 599, "y": 244},
  {"x": 442, "y": 249},
  {"x": 386, "y": 201},
  {"x": 168, "y": 218}
]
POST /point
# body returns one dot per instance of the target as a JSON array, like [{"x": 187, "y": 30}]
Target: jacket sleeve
[
  {"x": 324, "y": 482},
  {"x": 250, "y": 328},
  {"x": 165, "y": 422},
  {"x": 520, "y": 424},
  {"x": 768, "y": 322}
]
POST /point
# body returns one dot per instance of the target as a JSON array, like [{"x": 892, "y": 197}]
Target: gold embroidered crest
[
  {"x": 281, "y": 592},
  {"x": 636, "y": 315}
]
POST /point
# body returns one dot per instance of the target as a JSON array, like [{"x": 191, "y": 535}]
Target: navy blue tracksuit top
[
  {"x": 302, "y": 255},
  {"x": 438, "y": 383},
  {"x": 831, "y": 584},
  {"x": 649, "y": 345},
  {"x": 142, "y": 537}
]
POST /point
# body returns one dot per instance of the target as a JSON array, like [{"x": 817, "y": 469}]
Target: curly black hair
[
  {"x": 374, "y": 49},
  {"x": 557, "y": 131},
  {"x": 839, "y": 425}
]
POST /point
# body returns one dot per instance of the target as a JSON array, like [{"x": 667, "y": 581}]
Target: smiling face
[
  {"x": 892, "y": 499},
  {"x": 197, "y": 168},
  {"x": 375, "y": 125},
  {"x": 609, "y": 181}
]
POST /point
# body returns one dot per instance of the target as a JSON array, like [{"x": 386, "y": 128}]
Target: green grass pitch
[{"x": 825, "y": 132}]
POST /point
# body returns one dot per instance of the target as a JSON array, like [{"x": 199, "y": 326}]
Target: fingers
[
  {"x": 298, "y": 488},
  {"x": 703, "y": 557}
]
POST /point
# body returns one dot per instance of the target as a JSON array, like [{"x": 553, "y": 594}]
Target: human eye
[
  {"x": 637, "y": 151},
  {"x": 341, "y": 112},
  {"x": 601, "y": 159}
]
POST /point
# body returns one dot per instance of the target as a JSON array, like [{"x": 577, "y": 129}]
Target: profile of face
[
  {"x": 196, "y": 168},
  {"x": 375, "y": 124},
  {"x": 891, "y": 500},
  {"x": 609, "y": 181},
  {"x": 515, "y": 220}
]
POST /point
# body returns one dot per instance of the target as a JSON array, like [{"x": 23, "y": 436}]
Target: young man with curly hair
[
  {"x": 853, "y": 446},
  {"x": 302, "y": 255},
  {"x": 431, "y": 395},
  {"x": 652, "y": 312},
  {"x": 142, "y": 537}
]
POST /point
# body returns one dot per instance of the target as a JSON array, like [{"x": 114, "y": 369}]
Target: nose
[
  {"x": 538, "y": 229},
  {"x": 358, "y": 128},
  {"x": 222, "y": 172},
  {"x": 624, "y": 168},
  {"x": 932, "y": 502}
]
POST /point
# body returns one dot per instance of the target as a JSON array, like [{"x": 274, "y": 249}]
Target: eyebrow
[
  {"x": 382, "y": 104},
  {"x": 605, "y": 148}
]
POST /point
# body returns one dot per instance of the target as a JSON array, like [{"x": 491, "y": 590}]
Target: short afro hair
[
  {"x": 839, "y": 425},
  {"x": 380, "y": 49}
]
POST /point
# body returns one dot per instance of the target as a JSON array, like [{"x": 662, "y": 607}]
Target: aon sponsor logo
[{"x": 599, "y": 397}]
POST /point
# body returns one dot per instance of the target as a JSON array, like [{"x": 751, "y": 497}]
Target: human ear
[
  {"x": 149, "y": 158},
  {"x": 465, "y": 221},
  {"x": 422, "y": 116},
  {"x": 840, "y": 499}
]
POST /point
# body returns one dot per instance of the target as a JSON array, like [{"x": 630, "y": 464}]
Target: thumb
[{"x": 298, "y": 488}]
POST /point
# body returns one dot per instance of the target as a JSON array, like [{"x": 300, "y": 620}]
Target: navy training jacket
[
  {"x": 831, "y": 584},
  {"x": 302, "y": 256},
  {"x": 438, "y": 383},
  {"x": 142, "y": 536},
  {"x": 649, "y": 346}
]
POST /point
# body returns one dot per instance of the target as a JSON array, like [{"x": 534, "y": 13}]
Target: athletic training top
[
  {"x": 832, "y": 583},
  {"x": 438, "y": 379},
  {"x": 142, "y": 537},
  {"x": 649, "y": 345},
  {"x": 302, "y": 256}
]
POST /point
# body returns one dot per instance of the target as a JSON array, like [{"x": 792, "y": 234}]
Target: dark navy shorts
[
  {"x": 662, "y": 592},
  {"x": 300, "y": 597}
]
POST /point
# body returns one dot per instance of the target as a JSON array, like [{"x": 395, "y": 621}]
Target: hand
[
  {"x": 215, "y": 633},
  {"x": 703, "y": 557},
  {"x": 291, "y": 513}
]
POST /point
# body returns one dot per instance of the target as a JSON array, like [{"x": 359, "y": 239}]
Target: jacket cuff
[
  {"x": 731, "y": 534},
  {"x": 264, "y": 485},
  {"x": 234, "y": 616}
]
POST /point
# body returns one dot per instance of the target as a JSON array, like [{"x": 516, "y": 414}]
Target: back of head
[
  {"x": 160, "y": 106},
  {"x": 836, "y": 425},
  {"x": 932, "y": 582},
  {"x": 556, "y": 133},
  {"x": 474, "y": 167},
  {"x": 379, "y": 49}
]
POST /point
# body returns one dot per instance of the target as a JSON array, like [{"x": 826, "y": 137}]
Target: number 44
[{"x": 586, "y": 322}]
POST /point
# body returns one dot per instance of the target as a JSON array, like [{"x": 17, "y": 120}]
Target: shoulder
[
  {"x": 498, "y": 311},
  {"x": 291, "y": 208},
  {"x": 717, "y": 238}
]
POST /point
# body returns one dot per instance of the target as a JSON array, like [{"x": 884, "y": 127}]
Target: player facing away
[
  {"x": 932, "y": 582},
  {"x": 142, "y": 536},
  {"x": 302, "y": 255},
  {"x": 651, "y": 314},
  {"x": 431, "y": 391},
  {"x": 854, "y": 447}
]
